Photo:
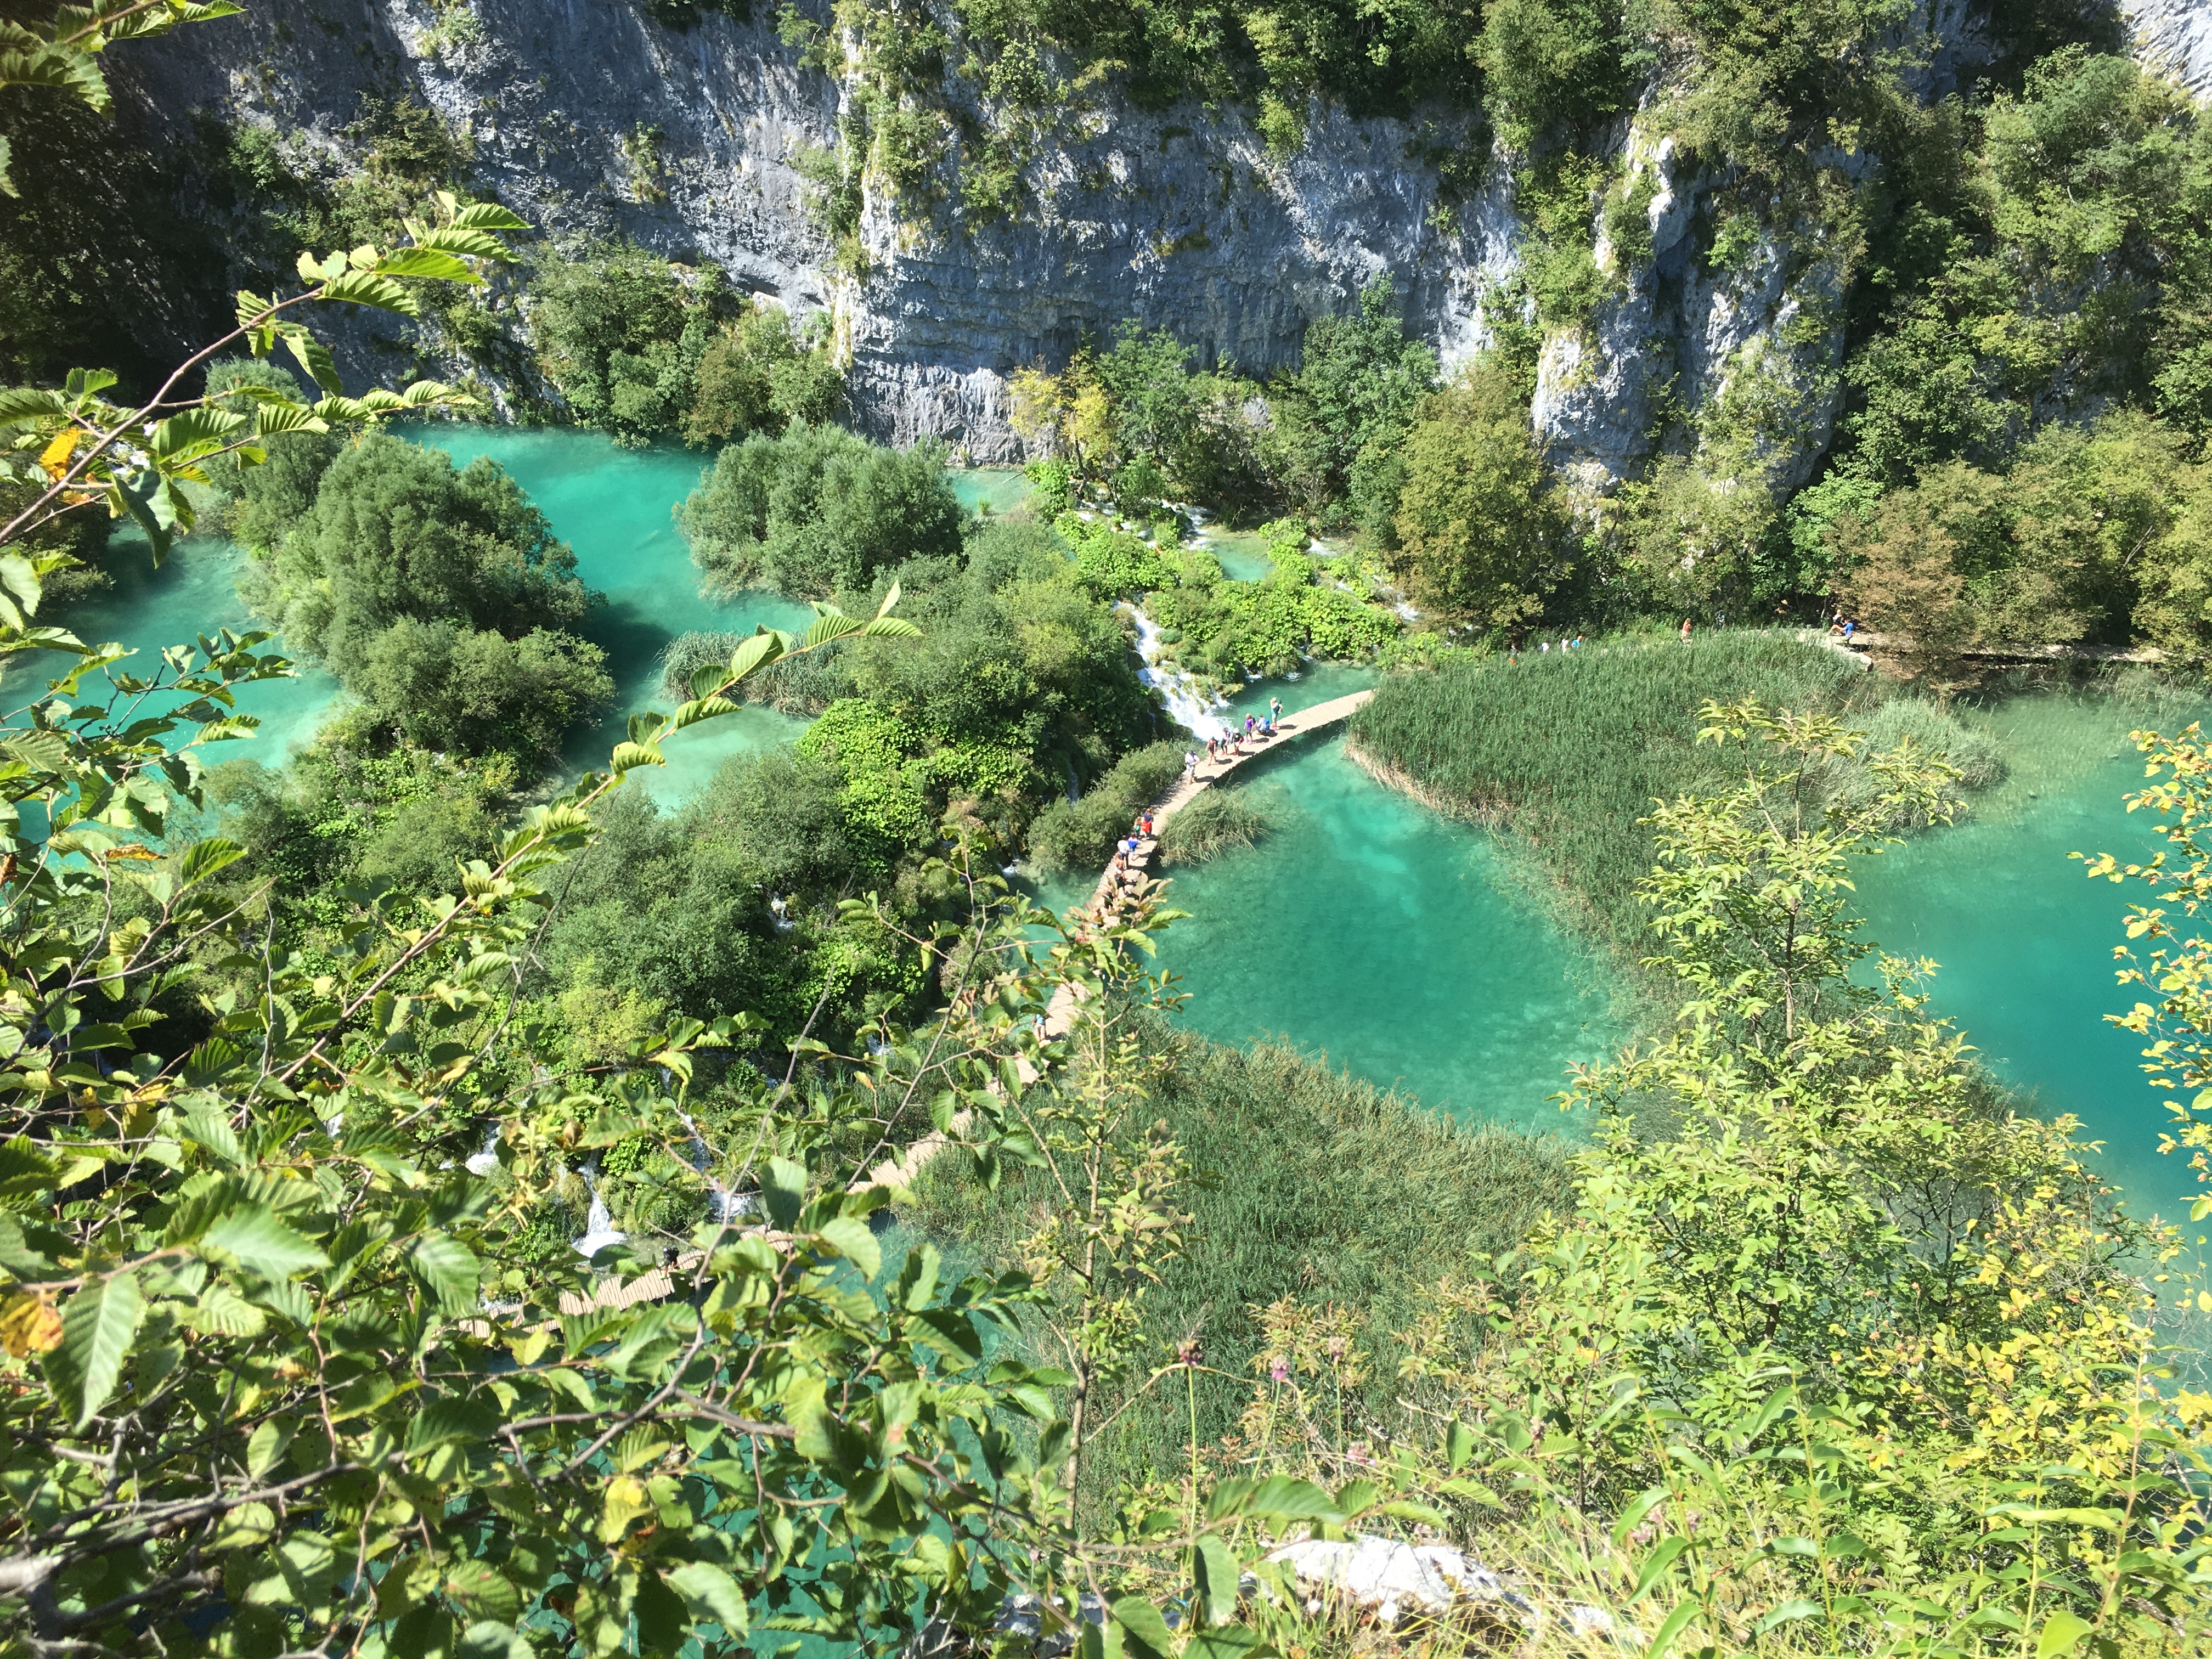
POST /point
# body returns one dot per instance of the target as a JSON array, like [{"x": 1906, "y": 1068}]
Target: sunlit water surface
[
  {"x": 1393, "y": 940},
  {"x": 616, "y": 507},
  {"x": 2024, "y": 941},
  {"x": 1365, "y": 927}
]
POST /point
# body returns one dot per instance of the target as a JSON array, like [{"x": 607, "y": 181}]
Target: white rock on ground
[{"x": 1391, "y": 1577}]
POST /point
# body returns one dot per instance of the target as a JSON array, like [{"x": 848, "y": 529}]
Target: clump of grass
[
  {"x": 1079, "y": 835},
  {"x": 1217, "y": 821},
  {"x": 1571, "y": 749},
  {"x": 1932, "y": 732},
  {"x": 796, "y": 685},
  {"x": 1314, "y": 1185}
]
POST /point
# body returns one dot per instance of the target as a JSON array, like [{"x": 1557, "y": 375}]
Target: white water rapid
[
  {"x": 600, "y": 1224},
  {"x": 1186, "y": 699},
  {"x": 483, "y": 1162}
]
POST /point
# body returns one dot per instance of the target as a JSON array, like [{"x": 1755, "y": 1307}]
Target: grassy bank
[
  {"x": 1313, "y": 1185},
  {"x": 1571, "y": 750}
]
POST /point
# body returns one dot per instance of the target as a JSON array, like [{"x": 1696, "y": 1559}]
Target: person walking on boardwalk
[
  {"x": 1190, "y": 764},
  {"x": 1275, "y": 709}
]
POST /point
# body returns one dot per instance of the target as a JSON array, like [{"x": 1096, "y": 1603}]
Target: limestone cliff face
[
  {"x": 589, "y": 118},
  {"x": 2175, "y": 38}
]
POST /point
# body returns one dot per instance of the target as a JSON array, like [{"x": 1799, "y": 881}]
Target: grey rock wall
[
  {"x": 1179, "y": 220},
  {"x": 2173, "y": 37}
]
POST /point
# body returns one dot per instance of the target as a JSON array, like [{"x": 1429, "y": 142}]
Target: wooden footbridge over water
[
  {"x": 1121, "y": 880},
  {"x": 1302, "y": 723}
]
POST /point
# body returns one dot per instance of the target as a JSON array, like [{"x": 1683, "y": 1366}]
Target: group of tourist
[{"x": 1256, "y": 730}]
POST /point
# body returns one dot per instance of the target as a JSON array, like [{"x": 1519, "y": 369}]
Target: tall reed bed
[
  {"x": 1314, "y": 1187},
  {"x": 1571, "y": 750}
]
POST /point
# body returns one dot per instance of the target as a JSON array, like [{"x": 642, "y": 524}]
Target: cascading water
[
  {"x": 484, "y": 1161},
  {"x": 726, "y": 1205},
  {"x": 599, "y": 1224},
  {"x": 1186, "y": 699}
]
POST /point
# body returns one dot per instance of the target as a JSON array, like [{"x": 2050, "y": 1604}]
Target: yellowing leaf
[
  {"x": 626, "y": 1499},
  {"x": 29, "y": 1325},
  {"x": 55, "y": 458}
]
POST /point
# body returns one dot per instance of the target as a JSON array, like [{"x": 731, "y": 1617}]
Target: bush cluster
[
  {"x": 646, "y": 348},
  {"x": 438, "y": 595},
  {"x": 1079, "y": 835},
  {"x": 817, "y": 510}
]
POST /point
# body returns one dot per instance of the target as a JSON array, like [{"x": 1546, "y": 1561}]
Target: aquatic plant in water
[{"x": 1216, "y": 822}]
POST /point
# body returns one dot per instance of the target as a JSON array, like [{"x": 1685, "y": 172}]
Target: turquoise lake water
[
  {"x": 616, "y": 507},
  {"x": 194, "y": 591},
  {"x": 2024, "y": 941},
  {"x": 1366, "y": 927},
  {"x": 1243, "y": 553},
  {"x": 1393, "y": 940},
  {"x": 989, "y": 489}
]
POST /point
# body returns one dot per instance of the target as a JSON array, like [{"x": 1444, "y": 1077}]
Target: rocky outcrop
[
  {"x": 590, "y": 118},
  {"x": 2173, "y": 37}
]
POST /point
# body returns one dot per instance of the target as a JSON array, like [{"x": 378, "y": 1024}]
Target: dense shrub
[
  {"x": 437, "y": 594},
  {"x": 1303, "y": 607},
  {"x": 2083, "y": 536},
  {"x": 476, "y": 690},
  {"x": 267, "y": 502},
  {"x": 1080, "y": 834},
  {"x": 761, "y": 372},
  {"x": 1481, "y": 536},
  {"x": 623, "y": 333},
  {"x": 817, "y": 510}
]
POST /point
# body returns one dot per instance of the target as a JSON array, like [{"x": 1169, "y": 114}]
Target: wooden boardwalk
[
  {"x": 1114, "y": 886},
  {"x": 1301, "y": 723}
]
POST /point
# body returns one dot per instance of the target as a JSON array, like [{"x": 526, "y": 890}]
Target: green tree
[
  {"x": 1153, "y": 396},
  {"x": 267, "y": 501},
  {"x": 816, "y": 510},
  {"x": 1337, "y": 424},
  {"x": 1553, "y": 62},
  {"x": 1480, "y": 535},
  {"x": 762, "y": 372},
  {"x": 623, "y": 332},
  {"x": 398, "y": 531},
  {"x": 446, "y": 686},
  {"x": 2082, "y": 535}
]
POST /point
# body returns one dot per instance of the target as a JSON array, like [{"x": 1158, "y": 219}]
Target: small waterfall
[
  {"x": 483, "y": 1162},
  {"x": 724, "y": 1205},
  {"x": 1186, "y": 700},
  {"x": 598, "y": 1225}
]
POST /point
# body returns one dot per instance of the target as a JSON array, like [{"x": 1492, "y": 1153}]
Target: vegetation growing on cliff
[{"x": 644, "y": 349}]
